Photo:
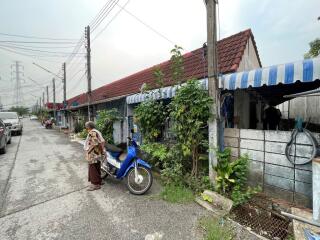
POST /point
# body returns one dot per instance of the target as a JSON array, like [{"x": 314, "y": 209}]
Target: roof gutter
[{"x": 98, "y": 102}]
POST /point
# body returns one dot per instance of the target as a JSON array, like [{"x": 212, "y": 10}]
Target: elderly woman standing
[{"x": 94, "y": 147}]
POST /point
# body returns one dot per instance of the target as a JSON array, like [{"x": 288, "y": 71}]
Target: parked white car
[
  {"x": 33, "y": 117},
  {"x": 13, "y": 118}
]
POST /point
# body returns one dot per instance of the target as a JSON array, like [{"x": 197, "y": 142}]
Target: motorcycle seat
[
  {"x": 122, "y": 157},
  {"x": 113, "y": 148}
]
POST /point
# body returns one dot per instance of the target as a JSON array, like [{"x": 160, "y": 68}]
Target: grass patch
[
  {"x": 176, "y": 194},
  {"x": 216, "y": 229}
]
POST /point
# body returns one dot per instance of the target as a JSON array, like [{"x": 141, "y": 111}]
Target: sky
[{"x": 282, "y": 31}]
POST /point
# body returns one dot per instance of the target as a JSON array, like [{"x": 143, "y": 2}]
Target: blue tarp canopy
[
  {"x": 303, "y": 71},
  {"x": 270, "y": 82}
]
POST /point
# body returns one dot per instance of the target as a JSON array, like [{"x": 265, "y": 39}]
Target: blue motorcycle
[{"x": 121, "y": 165}]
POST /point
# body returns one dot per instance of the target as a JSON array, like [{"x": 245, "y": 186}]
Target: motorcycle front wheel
[{"x": 142, "y": 184}]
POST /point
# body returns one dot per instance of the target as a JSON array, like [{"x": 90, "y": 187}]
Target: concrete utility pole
[
  {"x": 64, "y": 84},
  {"x": 64, "y": 92},
  {"x": 54, "y": 98},
  {"x": 47, "y": 94},
  {"x": 43, "y": 101},
  {"x": 212, "y": 85},
  {"x": 87, "y": 34}
]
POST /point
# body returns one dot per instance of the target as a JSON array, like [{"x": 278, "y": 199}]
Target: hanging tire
[{"x": 144, "y": 182}]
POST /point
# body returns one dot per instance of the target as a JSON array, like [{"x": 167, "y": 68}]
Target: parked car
[
  {"x": 33, "y": 117},
  {"x": 13, "y": 118},
  {"x": 5, "y": 136}
]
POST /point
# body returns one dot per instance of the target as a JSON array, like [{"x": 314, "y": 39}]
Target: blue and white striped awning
[
  {"x": 162, "y": 93},
  {"x": 304, "y": 71}
]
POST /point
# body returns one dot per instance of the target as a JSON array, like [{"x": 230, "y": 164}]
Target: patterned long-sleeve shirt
[{"x": 94, "y": 152}]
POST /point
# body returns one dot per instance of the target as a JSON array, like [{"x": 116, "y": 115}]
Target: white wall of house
[
  {"x": 249, "y": 59},
  {"x": 241, "y": 97},
  {"x": 305, "y": 107}
]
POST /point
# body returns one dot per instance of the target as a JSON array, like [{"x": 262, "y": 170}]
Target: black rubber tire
[
  {"x": 4, "y": 149},
  {"x": 133, "y": 191}
]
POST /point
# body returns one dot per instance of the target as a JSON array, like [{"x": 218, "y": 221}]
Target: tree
[
  {"x": 314, "y": 49},
  {"x": 105, "y": 121},
  {"x": 190, "y": 113},
  {"x": 177, "y": 69},
  {"x": 20, "y": 110}
]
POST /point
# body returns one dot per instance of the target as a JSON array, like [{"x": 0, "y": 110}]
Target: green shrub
[
  {"x": 82, "y": 134},
  {"x": 240, "y": 196},
  {"x": 198, "y": 184},
  {"x": 157, "y": 153},
  {"x": 105, "y": 121},
  {"x": 231, "y": 177},
  {"x": 176, "y": 194},
  {"x": 150, "y": 116},
  {"x": 79, "y": 126},
  {"x": 190, "y": 113}
]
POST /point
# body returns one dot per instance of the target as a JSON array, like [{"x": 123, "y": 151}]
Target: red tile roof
[
  {"x": 230, "y": 52},
  {"x": 50, "y": 105}
]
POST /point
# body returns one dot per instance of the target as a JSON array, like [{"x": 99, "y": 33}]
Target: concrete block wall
[{"x": 269, "y": 166}]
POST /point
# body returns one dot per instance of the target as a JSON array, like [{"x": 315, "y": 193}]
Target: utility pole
[
  {"x": 47, "y": 95},
  {"x": 43, "y": 101},
  {"x": 64, "y": 92},
  {"x": 87, "y": 34},
  {"x": 54, "y": 98},
  {"x": 212, "y": 85}
]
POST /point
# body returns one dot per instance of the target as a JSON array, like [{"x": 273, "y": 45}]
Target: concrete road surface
[{"x": 43, "y": 180}]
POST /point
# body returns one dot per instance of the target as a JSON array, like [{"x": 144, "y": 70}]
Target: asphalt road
[{"x": 43, "y": 180}]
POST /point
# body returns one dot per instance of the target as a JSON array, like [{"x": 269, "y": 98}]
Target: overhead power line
[
  {"x": 36, "y": 50},
  {"x": 30, "y": 42},
  {"x": 24, "y": 36},
  {"x": 106, "y": 13},
  {"x": 146, "y": 25},
  {"x": 111, "y": 20},
  {"x": 100, "y": 13},
  {"x": 31, "y": 54},
  {"x": 40, "y": 47}
]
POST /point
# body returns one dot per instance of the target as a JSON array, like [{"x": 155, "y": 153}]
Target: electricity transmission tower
[
  {"x": 1, "y": 107},
  {"x": 16, "y": 73}
]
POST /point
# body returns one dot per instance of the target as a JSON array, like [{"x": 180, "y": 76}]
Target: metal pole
[
  {"x": 88, "y": 69},
  {"x": 212, "y": 85},
  {"x": 316, "y": 188},
  {"x": 301, "y": 219}
]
